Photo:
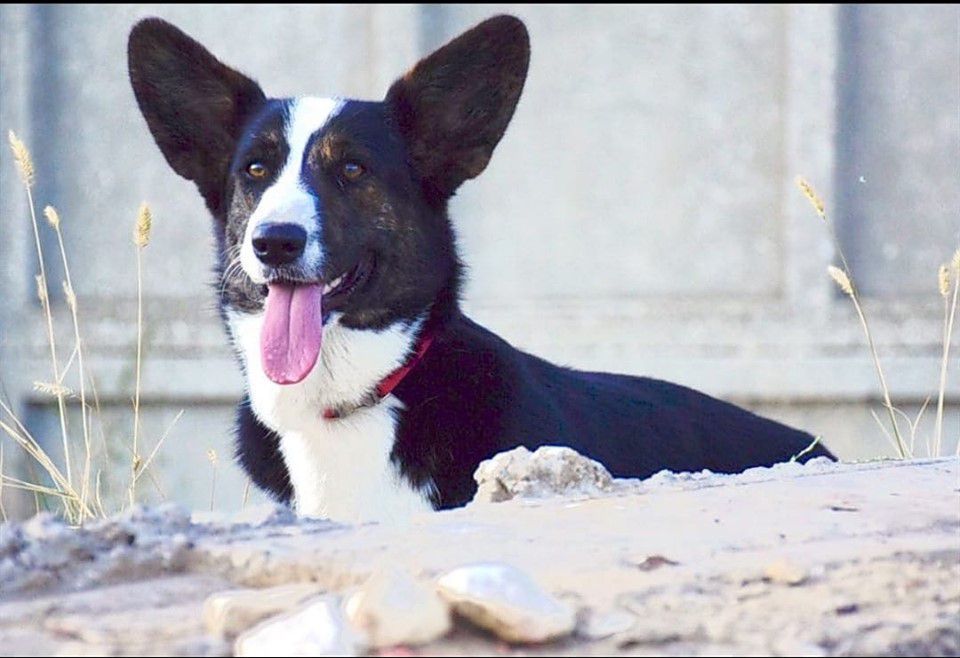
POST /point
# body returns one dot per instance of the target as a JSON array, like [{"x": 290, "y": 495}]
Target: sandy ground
[{"x": 821, "y": 559}]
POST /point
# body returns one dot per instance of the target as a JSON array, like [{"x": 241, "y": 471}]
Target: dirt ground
[{"x": 822, "y": 559}]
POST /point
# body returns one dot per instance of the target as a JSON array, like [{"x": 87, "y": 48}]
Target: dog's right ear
[
  {"x": 195, "y": 106},
  {"x": 454, "y": 105}
]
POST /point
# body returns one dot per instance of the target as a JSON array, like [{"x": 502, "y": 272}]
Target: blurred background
[{"x": 641, "y": 214}]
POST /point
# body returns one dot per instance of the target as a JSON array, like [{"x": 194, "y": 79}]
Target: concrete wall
[{"x": 640, "y": 215}]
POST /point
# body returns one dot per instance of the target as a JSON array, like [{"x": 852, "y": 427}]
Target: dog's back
[{"x": 474, "y": 395}]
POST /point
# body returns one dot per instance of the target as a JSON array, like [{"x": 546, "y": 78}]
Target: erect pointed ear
[
  {"x": 454, "y": 106},
  {"x": 194, "y": 105}
]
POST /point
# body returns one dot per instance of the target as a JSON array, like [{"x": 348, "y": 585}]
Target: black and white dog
[{"x": 369, "y": 394}]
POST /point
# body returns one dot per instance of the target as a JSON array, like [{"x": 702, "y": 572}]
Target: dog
[{"x": 369, "y": 394}]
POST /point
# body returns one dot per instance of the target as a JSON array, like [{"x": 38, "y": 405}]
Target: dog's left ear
[{"x": 454, "y": 106}]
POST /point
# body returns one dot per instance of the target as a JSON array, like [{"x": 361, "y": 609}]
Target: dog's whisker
[{"x": 232, "y": 273}]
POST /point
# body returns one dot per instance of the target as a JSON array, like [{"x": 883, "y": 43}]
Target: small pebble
[
  {"x": 394, "y": 609},
  {"x": 318, "y": 628},
  {"x": 227, "y": 614},
  {"x": 506, "y": 601}
]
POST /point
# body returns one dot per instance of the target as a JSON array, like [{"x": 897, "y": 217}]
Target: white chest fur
[{"x": 339, "y": 468}]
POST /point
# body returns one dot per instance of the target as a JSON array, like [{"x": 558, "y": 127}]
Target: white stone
[
  {"x": 506, "y": 601},
  {"x": 550, "y": 471},
  {"x": 318, "y": 628},
  {"x": 227, "y": 614},
  {"x": 394, "y": 609}
]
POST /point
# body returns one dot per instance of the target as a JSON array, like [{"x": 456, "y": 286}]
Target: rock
[
  {"x": 506, "y": 601},
  {"x": 227, "y": 614},
  {"x": 550, "y": 471},
  {"x": 318, "y": 628},
  {"x": 392, "y": 609}
]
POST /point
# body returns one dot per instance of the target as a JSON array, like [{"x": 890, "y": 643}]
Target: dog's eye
[
  {"x": 257, "y": 170},
  {"x": 352, "y": 171}
]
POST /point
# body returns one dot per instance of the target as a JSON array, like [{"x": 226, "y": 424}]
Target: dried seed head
[
  {"x": 53, "y": 217},
  {"x": 212, "y": 456},
  {"x": 52, "y": 389},
  {"x": 71, "y": 296},
  {"x": 41, "y": 289},
  {"x": 955, "y": 262},
  {"x": 141, "y": 236},
  {"x": 842, "y": 279},
  {"x": 943, "y": 279},
  {"x": 812, "y": 197},
  {"x": 21, "y": 156}
]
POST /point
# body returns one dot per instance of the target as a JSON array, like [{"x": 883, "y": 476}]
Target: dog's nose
[{"x": 279, "y": 244}]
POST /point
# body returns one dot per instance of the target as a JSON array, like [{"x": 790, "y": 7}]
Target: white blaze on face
[{"x": 287, "y": 201}]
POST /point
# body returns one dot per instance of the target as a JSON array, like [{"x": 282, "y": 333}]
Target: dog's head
[{"x": 329, "y": 206}]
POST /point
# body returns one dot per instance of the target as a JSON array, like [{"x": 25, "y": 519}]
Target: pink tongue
[{"x": 292, "y": 332}]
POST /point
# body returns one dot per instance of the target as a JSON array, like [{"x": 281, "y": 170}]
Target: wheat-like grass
[
  {"x": 943, "y": 280},
  {"x": 53, "y": 217},
  {"x": 24, "y": 162},
  {"x": 844, "y": 279},
  {"x": 141, "y": 238},
  {"x": 246, "y": 494},
  {"x": 214, "y": 461},
  {"x": 841, "y": 278},
  {"x": 23, "y": 159},
  {"x": 80, "y": 500},
  {"x": 53, "y": 389},
  {"x": 3, "y": 509},
  {"x": 163, "y": 437},
  {"x": 947, "y": 274},
  {"x": 72, "y": 503},
  {"x": 812, "y": 197}
]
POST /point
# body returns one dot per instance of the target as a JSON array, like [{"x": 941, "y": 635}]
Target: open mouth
[
  {"x": 337, "y": 290},
  {"x": 294, "y": 316}
]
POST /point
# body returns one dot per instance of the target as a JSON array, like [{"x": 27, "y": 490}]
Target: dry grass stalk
[
  {"x": 3, "y": 509},
  {"x": 53, "y": 217},
  {"x": 72, "y": 503},
  {"x": 141, "y": 237},
  {"x": 843, "y": 278},
  {"x": 145, "y": 468},
  {"x": 809, "y": 448},
  {"x": 24, "y": 161},
  {"x": 212, "y": 456},
  {"x": 79, "y": 500},
  {"x": 246, "y": 494},
  {"x": 947, "y": 275}
]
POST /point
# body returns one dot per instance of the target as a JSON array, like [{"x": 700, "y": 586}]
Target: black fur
[
  {"x": 259, "y": 454},
  {"x": 472, "y": 395}
]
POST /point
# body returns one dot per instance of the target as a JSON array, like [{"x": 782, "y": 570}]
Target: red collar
[{"x": 388, "y": 383}]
